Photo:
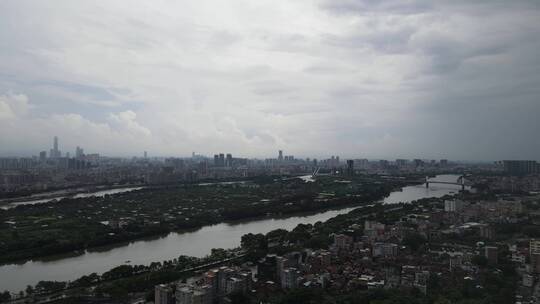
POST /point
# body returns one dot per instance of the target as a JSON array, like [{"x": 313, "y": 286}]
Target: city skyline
[
  {"x": 55, "y": 152},
  {"x": 379, "y": 80}
]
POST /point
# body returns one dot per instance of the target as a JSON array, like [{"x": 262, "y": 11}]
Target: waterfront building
[
  {"x": 164, "y": 294},
  {"x": 453, "y": 205},
  {"x": 190, "y": 294},
  {"x": 267, "y": 268}
]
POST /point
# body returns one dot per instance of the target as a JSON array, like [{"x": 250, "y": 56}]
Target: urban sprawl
[{"x": 478, "y": 244}]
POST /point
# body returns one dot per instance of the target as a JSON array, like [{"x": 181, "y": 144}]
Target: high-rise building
[
  {"x": 42, "y": 156},
  {"x": 401, "y": 163},
  {"x": 421, "y": 279},
  {"x": 79, "y": 152},
  {"x": 229, "y": 161},
  {"x": 453, "y": 205},
  {"x": 55, "y": 153},
  {"x": 350, "y": 167},
  {"x": 519, "y": 167},
  {"x": 186, "y": 294},
  {"x": 535, "y": 262},
  {"x": 487, "y": 232},
  {"x": 289, "y": 278},
  {"x": 280, "y": 156},
  {"x": 362, "y": 163},
  {"x": 203, "y": 167},
  {"x": 164, "y": 295},
  {"x": 221, "y": 160},
  {"x": 145, "y": 155},
  {"x": 534, "y": 247}
]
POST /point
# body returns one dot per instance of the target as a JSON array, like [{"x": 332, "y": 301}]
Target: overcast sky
[{"x": 376, "y": 79}]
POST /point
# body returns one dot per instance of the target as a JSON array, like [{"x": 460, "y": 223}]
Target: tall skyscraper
[
  {"x": 145, "y": 154},
  {"x": 229, "y": 160},
  {"x": 55, "y": 153},
  {"x": 280, "y": 156},
  {"x": 79, "y": 152}
]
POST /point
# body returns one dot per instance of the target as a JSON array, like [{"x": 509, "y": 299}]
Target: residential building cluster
[
  {"x": 213, "y": 285},
  {"x": 370, "y": 254}
]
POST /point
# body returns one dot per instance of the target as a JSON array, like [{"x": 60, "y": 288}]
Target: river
[
  {"x": 77, "y": 195},
  {"x": 15, "y": 277}
]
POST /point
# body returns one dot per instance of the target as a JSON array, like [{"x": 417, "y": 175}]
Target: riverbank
[
  {"x": 23, "y": 256},
  {"x": 45, "y": 197},
  {"x": 165, "y": 247}
]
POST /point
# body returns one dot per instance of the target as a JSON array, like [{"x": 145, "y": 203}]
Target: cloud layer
[{"x": 434, "y": 79}]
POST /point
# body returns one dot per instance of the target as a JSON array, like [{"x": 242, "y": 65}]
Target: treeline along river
[{"x": 15, "y": 277}]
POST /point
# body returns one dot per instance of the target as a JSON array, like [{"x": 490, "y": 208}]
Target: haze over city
[
  {"x": 269, "y": 152},
  {"x": 384, "y": 79}
]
